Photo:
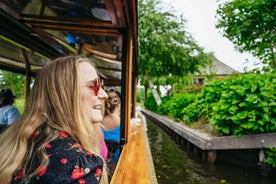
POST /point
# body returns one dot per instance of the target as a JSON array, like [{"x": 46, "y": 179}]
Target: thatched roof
[{"x": 218, "y": 68}]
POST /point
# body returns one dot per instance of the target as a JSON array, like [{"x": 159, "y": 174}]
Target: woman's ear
[{"x": 118, "y": 106}]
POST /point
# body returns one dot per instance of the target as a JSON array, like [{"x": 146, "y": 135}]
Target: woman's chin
[{"x": 97, "y": 119}]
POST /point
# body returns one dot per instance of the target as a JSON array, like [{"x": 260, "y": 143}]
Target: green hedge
[
  {"x": 174, "y": 106},
  {"x": 237, "y": 105},
  {"x": 246, "y": 106},
  {"x": 240, "y": 105}
]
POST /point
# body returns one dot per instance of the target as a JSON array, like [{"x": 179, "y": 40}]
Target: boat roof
[{"x": 33, "y": 33}]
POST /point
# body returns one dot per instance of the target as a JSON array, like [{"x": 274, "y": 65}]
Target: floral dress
[{"x": 69, "y": 162}]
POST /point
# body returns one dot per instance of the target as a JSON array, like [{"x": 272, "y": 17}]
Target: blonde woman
[{"x": 58, "y": 137}]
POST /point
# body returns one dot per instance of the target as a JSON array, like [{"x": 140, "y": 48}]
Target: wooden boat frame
[{"x": 33, "y": 33}]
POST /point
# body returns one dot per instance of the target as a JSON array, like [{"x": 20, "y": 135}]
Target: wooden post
[{"x": 212, "y": 156}]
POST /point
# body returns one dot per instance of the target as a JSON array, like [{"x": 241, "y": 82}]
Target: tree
[
  {"x": 251, "y": 26},
  {"x": 166, "y": 49},
  {"x": 13, "y": 81}
]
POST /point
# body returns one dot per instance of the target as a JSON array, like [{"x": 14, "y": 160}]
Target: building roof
[{"x": 218, "y": 68}]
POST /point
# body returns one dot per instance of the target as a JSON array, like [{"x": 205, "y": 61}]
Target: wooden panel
[
  {"x": 135, "y": 165},
  {"x": 208, "y": 142}
]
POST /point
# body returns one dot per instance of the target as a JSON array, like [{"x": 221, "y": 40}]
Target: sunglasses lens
[{"x": 97, "y": 87}]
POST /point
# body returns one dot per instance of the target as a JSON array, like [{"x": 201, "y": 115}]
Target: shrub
[
  {"x": 150, "y": 103},
  {"x": 246, "y": 105},
  {"x": 271, "y": 156},
  {"x": 163, "y": 108},
  {"x": 191, "y": 113},
  {"x": 176, "y": 104},
  {"x": 202, "y": 106}
]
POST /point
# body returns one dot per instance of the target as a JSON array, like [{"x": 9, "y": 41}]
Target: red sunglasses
[{"x": 95, "y": 86}]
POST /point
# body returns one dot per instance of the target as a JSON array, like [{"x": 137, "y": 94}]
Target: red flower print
[
  {"x": 77, "y": 173},
  {"x": 49, "y": 146},
  {"x": 81, "y": 181},
  {"x": 21, "y": 173},
  {"x": 63, "y": 134},
  {"x": 90, "y": 154},
  {"x": 36, "y": 133},
  {"x": 64, "y": 161},
  {"x": 77, "y": 146},
  {"x": 41, "y": 170},
  {"x": 98, "y": 172}
]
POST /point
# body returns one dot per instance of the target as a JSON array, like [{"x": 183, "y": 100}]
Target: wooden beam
[{"x": 27, "y": 73}]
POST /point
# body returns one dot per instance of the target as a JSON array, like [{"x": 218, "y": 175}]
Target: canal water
[{"x": 175, "y": 166}]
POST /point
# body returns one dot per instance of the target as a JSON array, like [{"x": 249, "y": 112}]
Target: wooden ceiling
[{"x": 33, "y": 33}]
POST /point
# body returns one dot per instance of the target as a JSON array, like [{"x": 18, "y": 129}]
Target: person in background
[
  {"x": 111, "y": 123},
  {"x": 58, "y": 137},
  {"x": 8, "y": 113},
  {"x": 111, "y": 127}
]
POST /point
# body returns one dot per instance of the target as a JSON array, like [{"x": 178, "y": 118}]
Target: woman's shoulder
[
  {"x": 69, "y": 162},
  {"x": 7, "y": 107},
  {"x": 70, "y": 149},
  {"x": 115, "y": 130}
]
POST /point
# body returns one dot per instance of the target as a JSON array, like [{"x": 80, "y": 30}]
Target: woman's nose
[{"x": 102, "y": 94}]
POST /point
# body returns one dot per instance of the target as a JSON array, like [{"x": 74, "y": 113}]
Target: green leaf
[
  {"x": 243, "y": 104},
  {"x": 252, "y": 98},
  {"x": 233, "y": 109},
  {"x": 242, "y": 114},
  {"x": 266, "y": 117},
  {"x": 247, "y": 125},
  {"x": 235, "y": 118},
  {"x": 260, "y": 122},
  {"x": 226, "y": 130}
]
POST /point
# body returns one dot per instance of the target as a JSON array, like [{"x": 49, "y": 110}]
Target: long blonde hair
[{"x": 53, "y": 105}]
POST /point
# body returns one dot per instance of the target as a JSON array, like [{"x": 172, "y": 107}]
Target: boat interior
[{"x": 34, "y": 32}]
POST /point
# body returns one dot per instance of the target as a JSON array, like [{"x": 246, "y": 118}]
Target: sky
[{"x": 200, "y": 16}]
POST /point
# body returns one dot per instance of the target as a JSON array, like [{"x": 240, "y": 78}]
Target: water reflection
[{"x": 174, "y": 166}]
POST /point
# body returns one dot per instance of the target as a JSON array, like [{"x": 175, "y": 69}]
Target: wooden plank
[
  {"x": 244, "y": 142},
  {"x": 135, "y": 164}
]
